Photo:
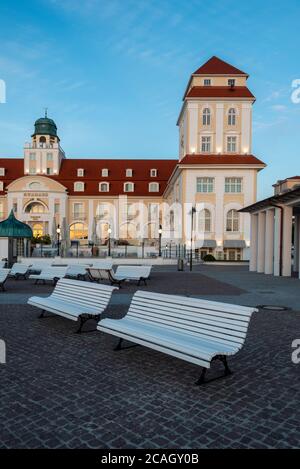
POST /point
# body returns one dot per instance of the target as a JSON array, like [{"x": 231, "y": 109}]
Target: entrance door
[{"x": 38, "y": 230}]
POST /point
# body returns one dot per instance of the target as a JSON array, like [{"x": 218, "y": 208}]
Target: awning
[
  {"x": 209, "y": 243},
  {"x": 234, "y": 243}
]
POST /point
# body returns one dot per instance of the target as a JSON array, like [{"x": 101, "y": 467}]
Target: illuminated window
[
  {"x": 78, "y": 231},
  {"x": 38, "y": 230}
]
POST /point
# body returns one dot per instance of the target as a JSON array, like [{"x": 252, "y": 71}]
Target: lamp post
[
  {"x": 159, "y": 240},
  {"x": 193, "y": 211},
  {"x": 109, "y": 233},
  {"x": 58, "y": 238}
]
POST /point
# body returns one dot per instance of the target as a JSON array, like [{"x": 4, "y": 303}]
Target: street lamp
[
  {"x": 193, "y": 211},
  {"x": 58, "y": 238},
  {"x": 159, "y": 239},
  {"x": 109, "y": 233}
]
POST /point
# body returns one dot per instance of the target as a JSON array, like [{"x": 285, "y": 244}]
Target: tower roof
[
  {"x": 45, "y": 126},
  {"x": 216, "y": 66},
  {"x": 13, "y": 228}
]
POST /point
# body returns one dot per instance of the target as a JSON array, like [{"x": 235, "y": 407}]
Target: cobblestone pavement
[{"x": 60, "y": 389}]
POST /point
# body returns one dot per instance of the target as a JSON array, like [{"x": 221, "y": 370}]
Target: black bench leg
[
  {"x": 201, "y": 380},
  {"x": 224, "y": 361},
  {"x": 119, "y": 346},
  {"x": 84, "y": 319},
  {"x": 42, "y": 313}
]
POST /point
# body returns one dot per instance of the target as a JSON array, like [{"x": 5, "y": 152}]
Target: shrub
[{"x": 209, "y": 258}]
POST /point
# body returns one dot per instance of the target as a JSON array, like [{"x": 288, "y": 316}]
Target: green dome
[
  {"x": 13, "y": 228},
  {"x": 45, "y": 126}
]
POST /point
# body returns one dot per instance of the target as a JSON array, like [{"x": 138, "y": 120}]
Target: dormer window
[
  {"x": 104, "y": 173},
  {"x": 153, "y": 187},
  {"x": 103, "y": 187},
  {"x": 231, "y": 82},
  {"x": 207, "y": 82},
  {"x": 2, "y": 171},
  {"x": 1, "y": 185},
  {"x": 78, "y": 186},
  {"x": 80, "y": 172},
  {"x": 128, "y": 187},
  {"x": 128, "y": 173},
  {"x": 153, "y": 173}
]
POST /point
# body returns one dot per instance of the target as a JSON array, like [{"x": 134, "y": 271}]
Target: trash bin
[{"x": 180, "y": 264}]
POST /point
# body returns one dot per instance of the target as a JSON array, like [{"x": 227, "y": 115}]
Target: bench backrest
[
  {"x": 2, "y": 264},
  {"x": 213, "y": 321},
  {"x": 3, "y": 274},
  {"x": 106, "y": 265},
  {"x": 54, "y": 271},
  {"x": 134, "y": 270},
  {"x": 19, "y": 268},
  {"x": 92, "y": 295}
]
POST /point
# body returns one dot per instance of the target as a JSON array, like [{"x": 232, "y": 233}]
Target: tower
[
  {"x": 216, "y": 116},
  {"x": 43, "y": 155}
]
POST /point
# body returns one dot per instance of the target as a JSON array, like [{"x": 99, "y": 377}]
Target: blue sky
[{"x": 112, "y": 73}]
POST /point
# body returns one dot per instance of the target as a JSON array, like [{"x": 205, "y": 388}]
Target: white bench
[
  {"x": 195, "y": 330},
  {"x": 19, "y": 270},
  {"x": 49, "y": 274},
  {"x": 77, "y": 271},
  {"x": 140, "y": 273},
  {"x": 3, "y": 277},
  {"x": 75, "y": 300}
]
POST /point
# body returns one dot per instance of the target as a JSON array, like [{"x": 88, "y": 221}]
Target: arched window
[
  {"x": 128, "y": 187},
  {"x": 153, "y": 187},
  {"x": 103, "y": 187},
  {"x": 206, "y": 116},
  {"x": 127, "y": 231},
  {"x": 78, "y": 231},
  {"x": 79, "y": 186},
  {"x": 232, "y": 116},
  {"x": 232, "y": 221},
  {"x": 42, "y": 140},
  {"x": 35, "y": 207},
  {"x": 205, "y": 221},
  {"x": 35, "y": 185}
]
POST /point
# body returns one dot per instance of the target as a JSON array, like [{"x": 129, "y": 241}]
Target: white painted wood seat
[
  {"x": 18, "y": 271},
  {"x": 4, "y": 273},
  {"x": 140, "y": 273},
  {"x": 195, "y": 330},
  {"x": 75, "y": 300},
  {"x": 49, "y": 274}
]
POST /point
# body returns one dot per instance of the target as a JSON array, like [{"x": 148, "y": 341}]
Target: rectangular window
[
  {"x": 231, "y": 82},
  {"x": 207, "y": 81},
  {"x": 233, "y": 185},
  {"x": 2, "y": 172},
  {"x": 78, "y": 210},
  {"x": 80, "y": 172},
  {"x": 49, "y": 157},
  {"x": 56, "y": 208},
  {"x": 205, "y": 144},
  {"x": 104, "y": 172},
  {"x": 231, "y": 144},
  {"x": 15, "y": 207},
  {"x": 153, "y": 173},
  {"x": 32, "y": 156},
  {"x": 49, "y": 171},
  {"x": 205, "y": 184},
  {"x": 1, "y": 185},
  {"x": 129, "y": 173}
]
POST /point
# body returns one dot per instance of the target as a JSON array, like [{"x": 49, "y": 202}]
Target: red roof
[
  {"x": 220, "y": 92},
  {"x": 216, "y": 66},
  {"x": 221, "y": 160},
  {"x": 14, "y": 169}
]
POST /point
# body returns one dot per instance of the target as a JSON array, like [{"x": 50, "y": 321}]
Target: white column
[
  {"x": 253, "y": 243},
  {"x": 276, "y": 247},
  {"x": 296, "y": 243},
  {"x": 219, "y": 127},
  {"x": 246, "y": 128},
  {"x": 193, "y": 127},
  {"x": 269, "y": 245},
  {"x": 287, "y": 241},
  {"x": 90, "y": 218},
  {"x": 261, "y": 233}
]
